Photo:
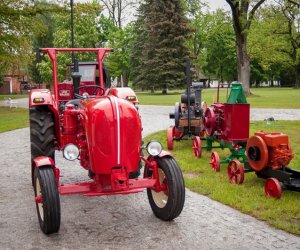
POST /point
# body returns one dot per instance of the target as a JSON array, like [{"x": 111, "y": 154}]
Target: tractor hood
[{"x": 113, "y": 132}]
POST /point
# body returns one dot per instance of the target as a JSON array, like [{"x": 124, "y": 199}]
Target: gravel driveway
[{"x": 120, "y": 222}]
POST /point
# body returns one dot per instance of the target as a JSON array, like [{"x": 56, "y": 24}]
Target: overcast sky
[{"x": 215, "y": 4}]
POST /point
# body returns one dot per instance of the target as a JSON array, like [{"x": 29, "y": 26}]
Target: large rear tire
[
  {"x": 168, "y": 203},
  {"x": 47, "y": 200},
  {"x": 42, "y": 134}
]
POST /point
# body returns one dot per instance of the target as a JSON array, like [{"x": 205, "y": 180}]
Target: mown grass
[
  {"x": 249, "y": 197},
  {"x": 12, "y": 96},
  {"x": 260, "y": 98},
  {"x": 13, "y": 118}
]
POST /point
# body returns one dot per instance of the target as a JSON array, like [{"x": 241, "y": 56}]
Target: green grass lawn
[
  {"x": 261, "y": 97},
  {"x": 12, "y": 96},
  {"x": 249, "y": 197},
  {"x": 13, "y": 118}
]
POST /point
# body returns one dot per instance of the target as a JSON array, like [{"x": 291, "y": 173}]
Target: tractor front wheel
[
  {"x": 215, "y": 161},
  {"x": 47, "y": 199},
  {"x": 197, "y": 147},
  {"x": 168, "y": 203},
  {"x": 235, "y": 172}
]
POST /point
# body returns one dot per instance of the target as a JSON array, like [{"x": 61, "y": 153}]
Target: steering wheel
[{"x": 95, "y": 92}]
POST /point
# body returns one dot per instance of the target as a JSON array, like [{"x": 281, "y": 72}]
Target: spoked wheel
[
  {"x": 235, "y": 172},
  {"x": 177, "y": 133},
  {"x": 170, "y": 135},
  {"x": 215, "y": 161},
  {"x": 273, "y": 188},
  {"x": 168, "y": 203},
  {"x": 197, "y": 147},
  {"x": 47, "y": 200},
  {"x": 42, "y": 134}
]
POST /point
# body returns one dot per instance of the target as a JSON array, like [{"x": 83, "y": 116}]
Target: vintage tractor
[
  {"x": 188, "y": 114},
  {"x": 102, "y": 129},
  {"x": 228, "y": 125}
]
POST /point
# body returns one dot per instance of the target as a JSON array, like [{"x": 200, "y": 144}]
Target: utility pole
[{"x": 72, "y": 31}]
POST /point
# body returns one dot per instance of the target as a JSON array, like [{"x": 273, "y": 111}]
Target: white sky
[{"x": 215, "y": 4}]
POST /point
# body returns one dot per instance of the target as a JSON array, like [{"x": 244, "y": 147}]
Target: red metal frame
[{"x": 52, "y": 52}]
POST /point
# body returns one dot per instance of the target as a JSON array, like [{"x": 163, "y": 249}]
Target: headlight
[
  {"x": 154, "y": 148},
  {"x": 71, "y": 152}
]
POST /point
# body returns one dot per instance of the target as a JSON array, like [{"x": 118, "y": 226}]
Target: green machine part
[{"x": 237, "y": 94}]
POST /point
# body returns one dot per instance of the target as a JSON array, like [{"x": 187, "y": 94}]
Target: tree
[
  {"x": 242, "y": 16},
  {"x": 17, "y": 23},
  {"x": 117, "y": 9},
  {"x": 164, "y": 51},
  {"x": 291, "y": 12},
  {"x": 118, "y": 61},
  {"x": 219, "y": 55},
  {"x": 85, "y": 15}
]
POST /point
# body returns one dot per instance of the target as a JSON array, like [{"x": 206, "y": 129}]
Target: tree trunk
[{"x": 243, "y": 62}]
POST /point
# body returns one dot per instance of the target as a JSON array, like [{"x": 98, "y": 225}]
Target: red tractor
[{"x": 102, "y": 129}]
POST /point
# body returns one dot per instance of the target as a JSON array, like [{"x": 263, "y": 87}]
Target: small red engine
[{"x": 268, "y": 150}]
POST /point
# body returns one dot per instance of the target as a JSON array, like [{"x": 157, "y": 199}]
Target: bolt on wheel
[
  {"x": 215, "y": 161},
  {"x": 235, "y": 172}
]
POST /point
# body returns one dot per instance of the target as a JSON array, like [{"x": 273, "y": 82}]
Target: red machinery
[
  {"x": 269, "y": 155},
  {"x": 228, "y": 125},
  {"x": 102, "y": 129}
]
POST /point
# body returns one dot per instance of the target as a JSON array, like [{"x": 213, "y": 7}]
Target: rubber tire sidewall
[
  {"x": 51, "y": 201},
  {"x": 176, "y": 189}
]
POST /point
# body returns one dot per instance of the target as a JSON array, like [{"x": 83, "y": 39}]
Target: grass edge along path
[
  {"x": 13, "y": 118},
  {"x": 249, "y": 197}
]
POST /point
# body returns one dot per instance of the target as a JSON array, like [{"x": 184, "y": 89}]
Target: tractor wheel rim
[
  {"x": 161, "y": 198},
  {"x": 272, "y": 189},
  {"x": 39, "y": 194}
]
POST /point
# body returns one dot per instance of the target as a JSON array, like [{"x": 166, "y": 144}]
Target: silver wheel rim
[
  {"x": 39, "y": 205},
  {"x": 160, "y": 198}
]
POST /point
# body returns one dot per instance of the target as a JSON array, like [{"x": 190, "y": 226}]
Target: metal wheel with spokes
[
  {"x": 170, "y": 135},
  {"x": 167, "y": 203},
  {"x": 197, "y": 147},
  {"x": 215, "y": 161},
  {"x": 47, "y": 199},
  {"x": 273, "y": 188},
  {"x": 235, "y": 172}
]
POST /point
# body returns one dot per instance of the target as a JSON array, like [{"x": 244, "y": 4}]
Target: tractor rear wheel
[
  {"x": 47, "y": 199},
  {"x": 42, "y": 134},
  {"x": 168, "y": 203}
]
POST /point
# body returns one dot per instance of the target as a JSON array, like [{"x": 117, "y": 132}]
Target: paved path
[{"x": 119, "y": 222}]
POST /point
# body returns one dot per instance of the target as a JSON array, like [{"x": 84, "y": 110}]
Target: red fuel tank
[{"x": 113, "y": 131}]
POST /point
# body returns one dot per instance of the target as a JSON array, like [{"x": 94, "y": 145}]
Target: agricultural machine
[
  {"x": 101, "y": 128},
  {"x": 228, "y": 125},
  {"x": 188, "y": 114},
  {"x": 269, "y": 155}
]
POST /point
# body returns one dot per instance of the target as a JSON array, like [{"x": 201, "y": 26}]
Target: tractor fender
[
  {"x": 42, "y": 161},
  {"x": 164, "y": 153},
  {"x": 39, "y": 97},
  {"x": 124, "y": 93}
]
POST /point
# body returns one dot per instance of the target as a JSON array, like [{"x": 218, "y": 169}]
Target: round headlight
[
  {"x": 154, "y": 148},
  {"x": 71, "y": 152}
]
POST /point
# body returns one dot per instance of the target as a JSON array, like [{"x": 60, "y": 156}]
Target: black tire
[
  {"x": 48, "y": 210},
  {"x": 167, "y": 206},
  {"x": 42, "y": 134}
]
